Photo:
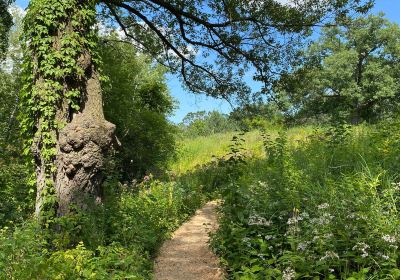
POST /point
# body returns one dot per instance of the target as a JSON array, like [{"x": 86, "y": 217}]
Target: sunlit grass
[{"x": 197, "y": 151}]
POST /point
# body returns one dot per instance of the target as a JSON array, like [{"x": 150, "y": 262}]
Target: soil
[{"x": 187, "y": 256}]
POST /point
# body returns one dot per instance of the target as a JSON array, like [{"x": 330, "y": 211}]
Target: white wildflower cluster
[
  {"x": 396, "y": 186},
  {"x": 304, "y": 215},
  {"x": 258, "y": 220},
  {"x": 357, "y": 217},
  {"x": 323, "y": 206},
  {"x": 269, "y": 237},
  {"x": 295, "y": 219},
  {"x": 262, "y": 184},
  {"x": 261, "y": 256},
  {"x": 302, "y": 246},
  {"x": 389, "y": 238},
  {"x": 246, "y": 241},
  {"x": 329, "y": 255},
  {"x": 363, "y": 248},
  {"x": 324, "y": 219},
  {"x": 383, "y": 256},
  {"x": 288, "y": 274},
  {"x": 292, "y": 220}
]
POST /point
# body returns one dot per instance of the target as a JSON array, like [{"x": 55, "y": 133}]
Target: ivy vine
[{"x": 57, "y": 35}]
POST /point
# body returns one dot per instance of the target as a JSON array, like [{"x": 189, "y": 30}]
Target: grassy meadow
[{"x": 197, "y": 151}]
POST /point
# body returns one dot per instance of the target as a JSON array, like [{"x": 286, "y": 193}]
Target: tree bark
[{"x": 81, "y": 151}]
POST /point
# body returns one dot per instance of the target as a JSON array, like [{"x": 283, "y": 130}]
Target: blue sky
[{"x": 189, "y": 102}]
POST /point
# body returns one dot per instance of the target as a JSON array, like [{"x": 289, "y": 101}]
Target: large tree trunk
[
  {"x": 82, "y": 138},
  {"x": 81, "y": 150},
  {"x": 82, "y": 146}
]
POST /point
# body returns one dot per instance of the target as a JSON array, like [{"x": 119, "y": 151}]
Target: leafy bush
[{"x": 24, "y": 254}]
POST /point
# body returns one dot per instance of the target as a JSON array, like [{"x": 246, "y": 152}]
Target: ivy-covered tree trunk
[{"x": 62, "y": 103}]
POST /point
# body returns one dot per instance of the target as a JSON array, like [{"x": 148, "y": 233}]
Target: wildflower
[
  {"x": 146, "y": 178},
  {"x": 261, "y": 256},
  {"x": 246, "y": 241},
  {"x": 396, "y": 186},
  {"x": 268, "y": 237},
  {"x": 362, "y": 247},
  {"x": 351, "y": 216},
  {"x": 259, "y": 221},
  {"x": 304, "y": 215},
  {"x": 302, "y": 246},
  {"x": 389, "y": 238},
  {"x": 385, "y": 257},
  {"x": 329, "y": 255},
  {"x": 262, "y": 184},
  {"x": 323, "y": 206},
  {"x": 288, "y": 274},
  {"x": 292, "y": 221},
  {"x": 325, "y": 219}
]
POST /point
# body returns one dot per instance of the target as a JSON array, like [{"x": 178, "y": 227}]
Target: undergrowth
[
  {"x": 115, "y": 241},
  {"x": 324, "y": 207}
]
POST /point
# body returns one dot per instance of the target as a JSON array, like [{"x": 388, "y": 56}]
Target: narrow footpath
[{"x": 187, "y": 256}]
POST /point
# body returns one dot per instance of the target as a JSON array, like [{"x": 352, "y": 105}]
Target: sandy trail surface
[{"x": 187, "y": 256}]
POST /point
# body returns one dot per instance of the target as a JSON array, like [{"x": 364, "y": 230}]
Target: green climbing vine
[{"x": 58, "y": 35}]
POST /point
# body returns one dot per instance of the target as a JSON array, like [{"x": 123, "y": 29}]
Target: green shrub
[{"x": 16, "y": 195}]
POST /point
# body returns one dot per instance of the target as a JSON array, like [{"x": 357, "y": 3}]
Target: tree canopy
[
  {"x": 213, "y": 44},
  {"x": 353, "y": 68}
]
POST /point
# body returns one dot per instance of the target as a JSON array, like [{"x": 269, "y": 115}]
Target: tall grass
[{"x": 194, "y": 152}]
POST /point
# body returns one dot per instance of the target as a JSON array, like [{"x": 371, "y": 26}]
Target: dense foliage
[
  {"x": 5, "y": 25},
  {"x": 137, "y": 101},
  {"x": 114, "y": 241},
  {"x": 16, "y": 194},
  {"x": 324, "y": 207}
]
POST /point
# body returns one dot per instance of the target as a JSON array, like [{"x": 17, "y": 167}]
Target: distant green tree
[
  {"x": 353, "y": 68},
  {"x": 203, "y": 124},
  {"x": 16, "y": 195},
  {"x": 5, "y": 25},
  {"x": 10, "y": 84},
  {"x": 137, "y": 100},
  {"x": 257, "y": 115}
]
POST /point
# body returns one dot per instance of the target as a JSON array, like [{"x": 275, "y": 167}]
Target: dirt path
[{"x": 187, "y": 255}]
